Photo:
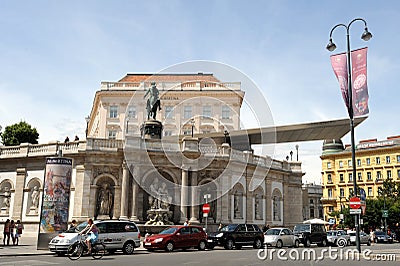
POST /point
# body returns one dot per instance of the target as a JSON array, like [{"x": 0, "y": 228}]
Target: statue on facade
[
  {"x": 237, "y": 213},
  {"x": 7, "y": 196},
  {"x": 105, "y": 200},
  {"x": 35, "y": 198},
  {"x": 154, "y": 197},
  {"x": 153, "y": 102},
  {"x": 257, "y": 207}
]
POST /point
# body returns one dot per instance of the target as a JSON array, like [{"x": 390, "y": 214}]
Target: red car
[{"x": 177, "y": 237}]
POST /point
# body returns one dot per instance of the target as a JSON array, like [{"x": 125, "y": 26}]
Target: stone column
[
  {"x": 135, "y": 193},
  {"x": 184, "y": 196},
  {"x": 19, "y": 194},
  {"x": 82, "y": 201},
  {"x": 116, "y": 210},
  {"x": 195, "y": 195},
  {"x": 124, "y": 192}
]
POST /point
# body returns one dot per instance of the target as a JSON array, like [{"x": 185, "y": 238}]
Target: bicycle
[{"x": 79, "y": 247}]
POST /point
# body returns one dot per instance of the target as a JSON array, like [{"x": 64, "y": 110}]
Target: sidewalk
[{"x": 26, "y": 247}]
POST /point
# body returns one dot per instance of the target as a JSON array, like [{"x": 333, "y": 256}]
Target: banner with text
[
  {"x": 55, "y": 203},
  {"x": 339, "y": 65},
  {"x": 359, "y": 81}
]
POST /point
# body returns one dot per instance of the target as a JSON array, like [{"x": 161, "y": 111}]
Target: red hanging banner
[
  {"x": 359, "y": 81},
  {"x": 339, "y": 65}
]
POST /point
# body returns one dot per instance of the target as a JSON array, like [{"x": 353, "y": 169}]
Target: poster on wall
[{"x": 55, "y": 202}]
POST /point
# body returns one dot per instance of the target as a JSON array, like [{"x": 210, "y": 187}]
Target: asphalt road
[{"x": 379, "y": 255}]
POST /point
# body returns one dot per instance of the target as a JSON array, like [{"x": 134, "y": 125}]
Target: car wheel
[
  {"x": 257, "y": 244},
  {"x": 279, "y": 244},
  {"x": 307, "y": 243},
  {"x": 128, "y": 248},
  {"x": 341, "y": 243},
  {"x": 229, "y": 244},
  {"x": 296, "y": 243},
  {"x": 202, "y": 245},
  {"x": 369, "y": 243},
  {"x": 169, "y": 247}
]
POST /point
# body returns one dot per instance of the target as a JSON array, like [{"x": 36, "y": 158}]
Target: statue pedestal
[
  {"x": 103, "y": 217},
  {"x": 33, "y": 211},
  {"x": 151, "y": 129}
]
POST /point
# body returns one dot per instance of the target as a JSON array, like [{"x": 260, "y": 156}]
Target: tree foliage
[{"x": 18, "y": 133}]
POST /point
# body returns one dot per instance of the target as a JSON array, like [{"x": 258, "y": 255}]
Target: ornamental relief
[{"x": 99, "y": 170}]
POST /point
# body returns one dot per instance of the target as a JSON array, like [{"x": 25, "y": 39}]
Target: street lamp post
[
  {"x": 297, "y": 153},
  {"x": 331, "y": 47},
  {"x": 383, "y": 193},
  {"x": 192, "y": 122},
  {"x": 225, "y": 135}
]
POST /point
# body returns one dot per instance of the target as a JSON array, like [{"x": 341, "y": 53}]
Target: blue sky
[{"x": 54, "y": 54}]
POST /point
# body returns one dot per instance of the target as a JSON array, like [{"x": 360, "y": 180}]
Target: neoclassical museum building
[{"x": 158, "y": 171}]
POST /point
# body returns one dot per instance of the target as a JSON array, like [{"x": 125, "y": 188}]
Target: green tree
[{"x": 18, "y": 133}]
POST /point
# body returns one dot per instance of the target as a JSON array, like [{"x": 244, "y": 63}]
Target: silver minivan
[{"x": 115, "y": 234}]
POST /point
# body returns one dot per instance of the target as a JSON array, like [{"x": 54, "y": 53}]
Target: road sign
[
  {"x": 332, "y": 221},
  {"x": 355, "y": 203},
  {"x": 206, "y": 208},
  {"x": 355, "y": 211},
  {"x": 385, "y": 214}
]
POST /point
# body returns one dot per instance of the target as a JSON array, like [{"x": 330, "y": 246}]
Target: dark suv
[
  {"x": 311, "y": 233},
  {"x": 236, "y": 235}
]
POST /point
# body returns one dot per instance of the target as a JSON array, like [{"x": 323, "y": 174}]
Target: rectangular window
[
  {"x": 369, "y": 176},
  {"x": 329, "y": 178},
  {"x": 370, "y": 192},
  {"x": 378, "y": 175},
  {"x": 330, "y": 194},
  {"x": 342, "y": 192},
  {"x": 187, "y": 112},
  {"x": 341, "y": 178},
  {"x": 340, "y": 164},
  {"x": 349, "y": 163},
  {"x": 132, "y": 111},
  {"x": 389, "y": 174},
  {"x": 358, "y": 162},
  {"x": 207, "y": 111},
  {"x": 112, "y": 134},
  {"x": 398, "y": 158},
  {"x": 368, "y": 161},
  {"x": 398, "y": 174},
  {"x": 359, "y": 176},
  {"x": 328, "y": 165},
  {"x": 378, "y": 160},
  {"x": 350, "y": 177},
  {"x": 351, "y": 192},
  {"x": 330, "y": 209},
  {"x": 113, "y": 111},
  {"x": 187, "y": 132},
  {"x": 226, "y": 112},
  {"x": 169, "y": 112},
  {"x": 167, "y": 133},
  {"x": 387, "y": 159}
]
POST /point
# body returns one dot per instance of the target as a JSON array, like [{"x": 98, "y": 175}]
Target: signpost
[
  {"x": 385, "y": 214},
  {"x": 206, "y": 207},
  {"x": 355, "y": 203}
]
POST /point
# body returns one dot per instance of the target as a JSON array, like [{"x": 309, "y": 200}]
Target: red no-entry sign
[
  {"x": 355, "y": 203},
  {"x": 206, "y": 208}
]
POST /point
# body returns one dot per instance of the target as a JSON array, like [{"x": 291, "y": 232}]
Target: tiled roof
[{"x": 169, "y": 77}]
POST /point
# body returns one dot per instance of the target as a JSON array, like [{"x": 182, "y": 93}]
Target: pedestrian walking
[
  {"x": 6, "y": 232},
  {"x": 12, "y": 231},
  {"x": 18, "y": 231}
]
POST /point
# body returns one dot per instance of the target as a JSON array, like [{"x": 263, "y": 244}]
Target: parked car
[
  {"x": 177, "y": 237},
  {"x": 381, "y": 237},
  {"x": 311, "y": 233},
  {"x": 280, "y": 237},
  {"x": 115, "y": 234},
  {"x": 237, "y": 235},
  {"x": 338, "y": 238},
  {"x": 364, "y": 238}
]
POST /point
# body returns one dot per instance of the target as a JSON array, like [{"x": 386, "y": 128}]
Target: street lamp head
[
  {"x": 331, "y": 46},
  {"x": 366, "y": 36}
]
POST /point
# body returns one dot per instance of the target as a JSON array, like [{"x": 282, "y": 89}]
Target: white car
[
  {"x": 280, "y": 237},
  {"x": 338, "y": 238},
  {"x": 364, "y": 238},
  {"x": 115, "y": 234}
]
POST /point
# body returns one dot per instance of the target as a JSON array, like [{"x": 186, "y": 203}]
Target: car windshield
[
  {"x": 379, "y": 233},
  {"x": 77, "y": 229},
  {"x": 273, "y": 232},
  {"x": 229, "y": 228},
  {"x": 353, "y": 234},
  {"x": 302, "y": 228},
  {"x": 169, "y": 231},
  {"x": 330, "y": 233}
]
